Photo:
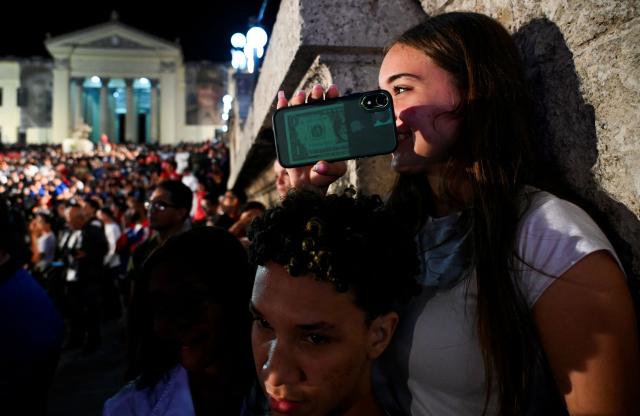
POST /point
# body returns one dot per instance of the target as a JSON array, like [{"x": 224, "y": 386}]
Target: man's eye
[
  {"x": 317, "y": 339},
  {"x": 261, "y": 322}
]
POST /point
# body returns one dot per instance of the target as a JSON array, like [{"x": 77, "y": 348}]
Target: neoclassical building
[{"x": 130, "y": 85}]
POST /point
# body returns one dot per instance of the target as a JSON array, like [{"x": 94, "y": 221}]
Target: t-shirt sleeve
[{"x": 553, "y": 236}]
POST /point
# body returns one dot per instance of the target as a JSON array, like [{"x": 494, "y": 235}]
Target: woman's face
[{"x": 425, "y": 98}]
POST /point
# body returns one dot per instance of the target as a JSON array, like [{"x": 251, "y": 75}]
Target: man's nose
[{"x": 280, "y": 367}]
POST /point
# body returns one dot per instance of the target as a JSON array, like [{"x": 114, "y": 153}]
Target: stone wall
[
  {"x": 582, "y": 59},
  {"x": 325, "y": 41}
]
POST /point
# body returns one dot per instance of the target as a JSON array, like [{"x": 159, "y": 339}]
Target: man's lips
[{"x": 283, "y": 406}]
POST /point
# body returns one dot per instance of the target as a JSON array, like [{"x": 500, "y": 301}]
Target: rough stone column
[
  {"x": 154, "y": 110},
  {"x": 309, "y": 45},
  {"x": 105, "y": 114},
  {"x": 60, "y": 125},
  {"x": 130, "y": 128}
]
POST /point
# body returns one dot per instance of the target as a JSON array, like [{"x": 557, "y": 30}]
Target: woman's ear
[{"x": 380, "y": 332}]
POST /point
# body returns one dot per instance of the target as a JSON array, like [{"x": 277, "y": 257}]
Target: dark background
[{"x": 204, "y": 27}]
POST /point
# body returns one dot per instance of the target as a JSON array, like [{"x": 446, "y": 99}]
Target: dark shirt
[{"x": 31, "y": 331}]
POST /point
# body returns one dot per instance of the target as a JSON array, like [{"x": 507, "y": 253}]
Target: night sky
[{"x": 204, "y": 27}]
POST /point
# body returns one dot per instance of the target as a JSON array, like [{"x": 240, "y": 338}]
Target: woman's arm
[{"x": 588, "y": 329}]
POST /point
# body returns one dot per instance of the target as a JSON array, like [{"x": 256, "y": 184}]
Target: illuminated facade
[{"x": 132, "y": 86}]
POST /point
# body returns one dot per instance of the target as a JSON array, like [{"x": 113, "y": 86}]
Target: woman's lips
[{"x": 283, "y": 406}]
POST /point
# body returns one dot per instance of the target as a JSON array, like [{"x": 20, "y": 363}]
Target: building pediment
[
  {"x": 112, "y": 36},
  {"x": 115, "y": 42}
]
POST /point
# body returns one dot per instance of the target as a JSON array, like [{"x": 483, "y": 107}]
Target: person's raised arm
[
  {"x": 322, "y": 174},
  {"x": 588, "y": 329}
]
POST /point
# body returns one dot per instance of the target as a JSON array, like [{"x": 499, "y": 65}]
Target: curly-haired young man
[{"x": 332, "y": 270}]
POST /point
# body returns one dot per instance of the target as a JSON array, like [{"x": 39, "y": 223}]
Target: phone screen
[
  {"x": 338, "y": 129},
  {"x": 317, "y": 133}
]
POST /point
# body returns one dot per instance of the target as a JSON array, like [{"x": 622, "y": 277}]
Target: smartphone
[{"x": 349, "y": 127}]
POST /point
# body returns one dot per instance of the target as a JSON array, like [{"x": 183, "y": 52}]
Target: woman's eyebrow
[{"x": 401, "y": 75}]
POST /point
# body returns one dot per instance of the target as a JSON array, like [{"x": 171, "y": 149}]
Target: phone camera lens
[{"x": 382, "y": 100}]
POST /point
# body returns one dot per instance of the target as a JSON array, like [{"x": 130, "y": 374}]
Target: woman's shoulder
[
  {"x": 548, "y": 219},
  {"x": 553, "y": 235}
]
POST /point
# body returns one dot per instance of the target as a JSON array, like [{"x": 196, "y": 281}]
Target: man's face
[
  {"x": 283, "y": 183},
  {"x": 74, "y": 217},
  {"x": 163, "y": 214},
  {"x": 208, "y": 96},
  {"x": 199, "y": 328},
  {"x": 88, "y": 210},
  {"x": 312, "y": 346}
]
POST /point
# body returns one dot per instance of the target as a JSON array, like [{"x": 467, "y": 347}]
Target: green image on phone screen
[{"x": 317, "y": 134}]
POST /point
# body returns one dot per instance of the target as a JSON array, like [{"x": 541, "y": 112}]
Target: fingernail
[
  {"x": 318, "y": 87},
  {"x": 320, "y": 168},
  {"x": 301, "y": 93},
  {"x": 280, "y": 95}
]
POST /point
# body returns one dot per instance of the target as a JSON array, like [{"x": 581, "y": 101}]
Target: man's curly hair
[{"x": 346, "y": 240}]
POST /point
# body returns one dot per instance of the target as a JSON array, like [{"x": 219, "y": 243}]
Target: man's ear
[
  {"x": 380, "y": 332},
  {"x": 184, "y": 214}
]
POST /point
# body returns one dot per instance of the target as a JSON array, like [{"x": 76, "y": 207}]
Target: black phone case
[{"x": 335, "y": 129}]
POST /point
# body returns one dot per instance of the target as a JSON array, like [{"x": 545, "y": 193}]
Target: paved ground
[{"x": 82, "y": 383}]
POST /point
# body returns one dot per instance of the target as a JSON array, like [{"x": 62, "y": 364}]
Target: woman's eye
[
  {"x": 317, "y": 339},
  {"x": 397, "y": 89}
]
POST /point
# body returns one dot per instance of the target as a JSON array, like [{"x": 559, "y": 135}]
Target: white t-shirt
[
  {"x": 434, "y": 365},
  {"x": 112, "y": 233},
  {"x": 47, "y": 248}
]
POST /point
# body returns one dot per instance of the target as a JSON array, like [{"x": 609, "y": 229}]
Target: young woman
[
  {"x": 525, "y": 308},
  {"x": 195, "y": 356}
]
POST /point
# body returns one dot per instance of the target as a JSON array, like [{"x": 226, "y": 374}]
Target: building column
[
  {"x": 105, "y": 114},
  {"x": 78, "y": 116},
  {"x": 130, "y": 130},
  {"x": 171, "y": 107},
  {"x": 154, "y": 110},
  {"x": 60, "y": 122}
]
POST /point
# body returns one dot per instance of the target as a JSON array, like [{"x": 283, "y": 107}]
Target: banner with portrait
[
  {"x": 35, "y": 93},
  {"x": 206, "y": 84}
]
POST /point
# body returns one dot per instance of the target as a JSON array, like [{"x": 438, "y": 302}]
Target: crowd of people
[
  {"x": 468, "y": 291},
  {"x": 89, "y": 221}
]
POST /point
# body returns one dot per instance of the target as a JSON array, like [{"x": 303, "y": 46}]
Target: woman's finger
[
  {"x": 332, "y": 91},
  {"x": 298, "y": 98},
  {"x": 324, "y": 173},
  {"x": 299, "y": 177},
  {"x": 282, "y": 100},
  {"x": 316, "y": 94}
]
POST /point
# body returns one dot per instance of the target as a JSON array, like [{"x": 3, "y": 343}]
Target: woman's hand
[{"x": 322, "y": 174}]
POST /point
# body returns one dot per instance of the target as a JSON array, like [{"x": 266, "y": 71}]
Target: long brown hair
[{"x": 490, "y": 155}]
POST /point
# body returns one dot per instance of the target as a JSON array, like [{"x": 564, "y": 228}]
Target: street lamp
[{"x": 247, "y": 50}]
